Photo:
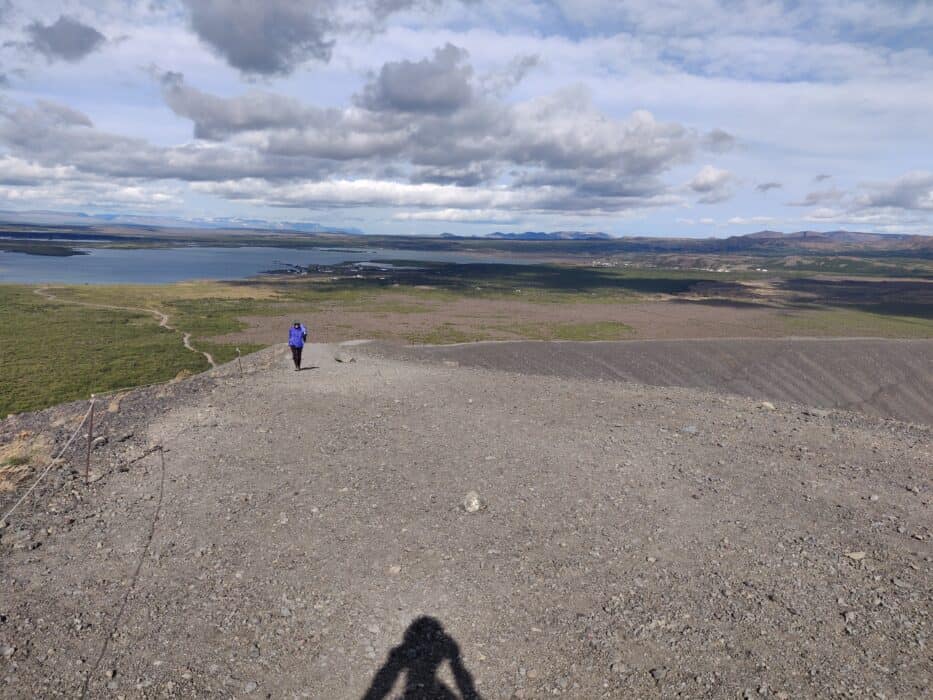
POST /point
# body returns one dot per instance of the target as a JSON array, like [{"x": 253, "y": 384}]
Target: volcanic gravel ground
[
  {"x": 890, "y": 378},
  {"x": 635, "y": 542}
]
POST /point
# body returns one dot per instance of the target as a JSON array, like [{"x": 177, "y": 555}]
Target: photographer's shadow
[{"x": 425, "y": 647}]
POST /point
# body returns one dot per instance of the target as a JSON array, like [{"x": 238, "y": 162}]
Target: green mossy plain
[{"x": 53, "y": 352}]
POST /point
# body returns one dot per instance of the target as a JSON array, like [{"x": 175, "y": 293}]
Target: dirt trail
[
  {"x": 306, "y": 539},
  {"x": 162, "y": 317}
]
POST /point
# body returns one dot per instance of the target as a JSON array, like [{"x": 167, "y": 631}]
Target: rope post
[
  {"x": 90, "y": 437},
  {"x": 239, "y": 363}
]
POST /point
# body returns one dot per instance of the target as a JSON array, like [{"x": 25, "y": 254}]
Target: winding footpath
[{"x": 162, "y": 317}]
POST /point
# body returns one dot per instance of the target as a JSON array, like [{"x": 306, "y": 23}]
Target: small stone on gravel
[{"x": 472, "y": 502}]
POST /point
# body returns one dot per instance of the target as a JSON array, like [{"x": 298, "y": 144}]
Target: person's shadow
[{"x": 425, "y": 647}]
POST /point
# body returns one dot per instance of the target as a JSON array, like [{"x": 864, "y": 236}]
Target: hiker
[{"x": 297, "y": 335}]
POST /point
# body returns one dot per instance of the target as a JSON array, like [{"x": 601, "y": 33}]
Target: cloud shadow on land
[
  {"x": 491, "y": 277},
  {"x": 425, "y": 646},
  {"x": 912, "y": 298}
]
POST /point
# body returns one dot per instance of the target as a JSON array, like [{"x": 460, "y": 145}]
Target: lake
[{"x": 167, "y": 265}]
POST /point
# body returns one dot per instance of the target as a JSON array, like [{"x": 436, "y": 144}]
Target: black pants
[{"x": 296, "y": 356}]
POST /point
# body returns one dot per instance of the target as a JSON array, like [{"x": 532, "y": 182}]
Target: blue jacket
[{"x": 296, "y": 336}]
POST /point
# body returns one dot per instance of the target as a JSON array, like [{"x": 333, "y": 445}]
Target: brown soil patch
[
  {"x": 494, "y": 319},
  {"x": 19, "y": 457}
]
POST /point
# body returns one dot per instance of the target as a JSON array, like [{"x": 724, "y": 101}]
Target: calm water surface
[{"x": 166, "y": 265}]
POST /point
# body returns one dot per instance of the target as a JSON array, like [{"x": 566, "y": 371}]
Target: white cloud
[
  {"x": 905, "y": 200},
  {"x": 830, "y": 196},
  {"x": 458, "y": 215},
  {"x": 19, "y": 171},
  {"x": 828, "y": 18},
  {"x": 713, "y": 184},
  {"x": 91, "y": 194},
  {"x": 336, "y": 193},
  {"x": 750, "y": 220},
  {"x": 556, "y": 152},
  {"x": 579, "y": 107},
  {"x": 275, "y": 37},
  {"x": 911, "y": 191},
  {"x": 66, "y": 39},
  {"x": 883, "y": 220}
]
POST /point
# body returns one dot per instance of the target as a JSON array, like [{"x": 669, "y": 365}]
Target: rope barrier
[
  {"x": 124, "y": 466},
  {"x": 135, "y": 577},
  {"x": 142, "y": 558},
  {"x": 95, "y": 396},
  {"x": 111, "y": 392},
  {"x": 166, "y": 382},
  {"x": 50, "y": 465}
]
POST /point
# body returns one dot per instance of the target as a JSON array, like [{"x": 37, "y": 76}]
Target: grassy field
[
  {"x": 59, "y": 351},
  {"x": 204, "y": 309},
  {"x": 855, "y": 323},
  {"x": 893, "y": 267}
]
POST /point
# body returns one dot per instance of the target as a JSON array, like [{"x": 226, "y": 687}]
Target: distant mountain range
[
  {"x": 541, "y": 236},
  {"x": 760, "y": 241},
  {"x": 758, "y": 237},
  {"x": 834, "y": 236},
  {"x": 832, "y": 240},
  {"x": 55, "y": 218},
  {"x": 72, "y": 226}
]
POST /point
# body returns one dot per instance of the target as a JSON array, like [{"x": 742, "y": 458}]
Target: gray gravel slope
[
  {"x": 638, "y": 542},
  {"x": 882, "y": 377}
]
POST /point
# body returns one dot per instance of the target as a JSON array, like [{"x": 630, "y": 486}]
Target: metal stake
[{"x": 239, "y": 362}]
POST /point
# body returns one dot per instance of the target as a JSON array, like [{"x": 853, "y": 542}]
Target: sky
[{"x": 634, "y": 117}]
